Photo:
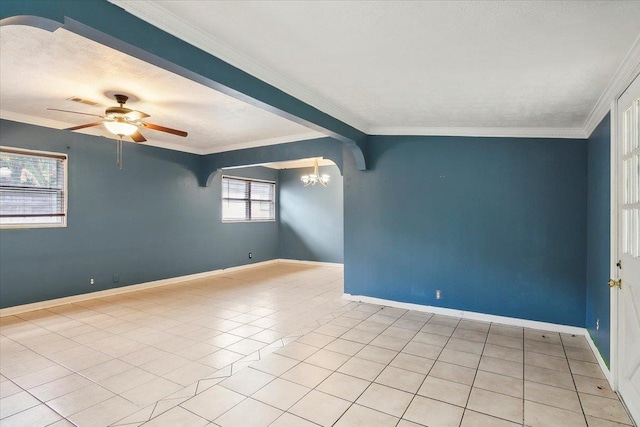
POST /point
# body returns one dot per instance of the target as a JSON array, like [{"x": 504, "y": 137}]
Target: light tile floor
[{"x": 278, "y": 346}]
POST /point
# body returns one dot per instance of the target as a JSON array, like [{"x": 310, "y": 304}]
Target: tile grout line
[
  {"x": 373, "y": 381},
  {"x": 350, "y": 357},
  {"x": 484, "y": 344},
  {"x": 39, "y": 400},
  {"x": 573, "y": 380},
  {"x": 59, "y": 364},
  {"x": 249, "y": 397},
  {"x": 427, "y": 375},
  {"x": 342, "y": 364},
  {"x": 318, "y": 306}
]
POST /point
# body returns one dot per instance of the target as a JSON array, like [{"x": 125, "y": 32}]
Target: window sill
[
  {"x": 229, "y": 221},
  {"x": 30, "y": 226}
]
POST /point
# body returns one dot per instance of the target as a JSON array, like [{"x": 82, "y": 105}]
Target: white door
[{"x": 628, "y": 338}]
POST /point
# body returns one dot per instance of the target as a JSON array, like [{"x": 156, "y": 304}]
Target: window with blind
[
  {"x": 246, "y": 199},
  {"x": 32, "y": 188}
]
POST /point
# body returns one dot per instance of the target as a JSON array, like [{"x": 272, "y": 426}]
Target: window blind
[
  {"x": 32, "y": 188},
  {"x": 247, "y": 200}
]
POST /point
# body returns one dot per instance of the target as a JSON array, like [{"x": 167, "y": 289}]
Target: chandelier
[{"x": 315, "y": 177}]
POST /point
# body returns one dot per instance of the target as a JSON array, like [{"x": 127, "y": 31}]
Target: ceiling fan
[{"x": 123, "y": 121}]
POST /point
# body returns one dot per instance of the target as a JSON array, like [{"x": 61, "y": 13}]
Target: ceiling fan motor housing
[
  {"x": 120, "y": 111},
  {"x": 121, "y": 99},
  {"x": 117, "y": 111},
  {"x": 123, "y": 121}
]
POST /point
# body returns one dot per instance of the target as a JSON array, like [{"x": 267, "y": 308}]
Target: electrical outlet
[
  {"x": 91, "y": 282},
  {"x": 597, "y": 324},
  {"x": 250, "y": 255},
  {"x": 438, "y": 294},
  {"x": 116, "y": 278}
]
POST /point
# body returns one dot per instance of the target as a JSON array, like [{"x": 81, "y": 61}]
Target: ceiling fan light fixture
[{"x": 120, "y": 127}]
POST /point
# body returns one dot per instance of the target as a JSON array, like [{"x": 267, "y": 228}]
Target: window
[
  {"x": 33, "y": 188},
  {"x": 248, "y": 200}
]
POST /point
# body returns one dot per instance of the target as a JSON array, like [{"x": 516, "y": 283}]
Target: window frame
[
  {"x": 65, "y": 191},
  {"x": 239, "y": 178}
]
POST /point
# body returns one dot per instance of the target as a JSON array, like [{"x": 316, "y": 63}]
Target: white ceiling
[
  {"x": 300, "y": 163},
  {"x": 530, "y": 68},
  {"x": 522, "y": 68},
  {"x": 40, "y": 70}
]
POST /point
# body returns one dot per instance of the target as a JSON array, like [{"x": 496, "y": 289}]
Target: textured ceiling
[
  {"x": 417, "y": 66},
  {"x": 40, "y": 70},
  {"x": 301, "y": 163},
  {"x": 437, "y": 67}
]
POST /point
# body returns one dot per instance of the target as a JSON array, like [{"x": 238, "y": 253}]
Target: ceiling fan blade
[
  {"x": 74, "y": 112},
  {"x": 136, "y": 115},
  {"x": 88, "y": 125},
  {"x": 137, "y": 137},
  {"x": 164, "y": 129}
]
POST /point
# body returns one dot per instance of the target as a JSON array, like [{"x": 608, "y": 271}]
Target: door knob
[{"x": 614, "y": 283}]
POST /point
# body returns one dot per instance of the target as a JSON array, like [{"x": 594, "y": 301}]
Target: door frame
[
  {"x": 614, "y": 253},
  {"x": 614, "y": 229}
]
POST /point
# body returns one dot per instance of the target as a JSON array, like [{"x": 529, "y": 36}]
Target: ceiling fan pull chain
[{"x": 119, "y": 152}]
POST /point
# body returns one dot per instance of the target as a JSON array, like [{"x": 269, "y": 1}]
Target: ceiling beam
[
  {"x": 212, "y": 164},
  {"x": 112, "y": 26}
]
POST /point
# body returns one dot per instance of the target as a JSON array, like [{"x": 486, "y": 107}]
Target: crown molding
[
  {"x": 159, "y": 17},
  {"x": 154, "y": 14},
  {"x": 623, "y": 77},
  {"x": 569, "y": 133},
  {"x": 58, "y": 125}
]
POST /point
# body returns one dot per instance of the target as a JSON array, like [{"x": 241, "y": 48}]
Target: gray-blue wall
[
  {"x": 149, "y": 221},
  {"x": 311, "y": 218},
  {"x": 598, "y": 236},
  {"x": 498, "y": 224}
]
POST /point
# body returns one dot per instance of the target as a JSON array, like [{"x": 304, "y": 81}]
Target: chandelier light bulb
[{"x": 315, "y": 177}]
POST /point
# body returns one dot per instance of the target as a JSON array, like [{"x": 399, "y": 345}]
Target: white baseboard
[
  {"x": 596, "y": 352},
  {"x": 10, "y": 311},
  {"x": 318, "y": 263},
  {"x": 511, "y": 321},
  {"x": 504, "y": 320}
]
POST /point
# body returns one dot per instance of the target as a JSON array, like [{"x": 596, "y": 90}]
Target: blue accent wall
[
  {"x": 513, "y": 227},
  {"x": 146, "y": 222},
  {"x": 497, "y": 224},
  {"x": 599, "y": 236},
  {"x": 311, "y": 218}
]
